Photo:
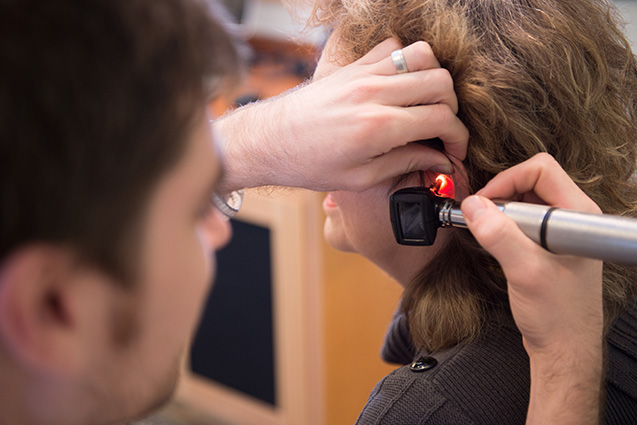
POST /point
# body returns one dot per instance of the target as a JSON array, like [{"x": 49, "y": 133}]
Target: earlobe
[{"x": 37, "y": 316}]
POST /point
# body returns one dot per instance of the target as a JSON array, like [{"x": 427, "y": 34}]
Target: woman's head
[
  {"x": 359, "y": 222},
  {"x": 531, "y": 76}
]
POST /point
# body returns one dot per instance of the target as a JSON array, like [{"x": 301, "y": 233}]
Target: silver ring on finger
[{"x": 399, "y": 61}]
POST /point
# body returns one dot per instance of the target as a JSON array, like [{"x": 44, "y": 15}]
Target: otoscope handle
[{"x": 601, "y": 236}]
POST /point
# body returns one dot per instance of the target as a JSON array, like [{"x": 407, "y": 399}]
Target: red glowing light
[{"x": 443, "y": 186}]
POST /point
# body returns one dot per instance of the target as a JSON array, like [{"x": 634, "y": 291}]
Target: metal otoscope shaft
[{"x": 601, "y": 236}]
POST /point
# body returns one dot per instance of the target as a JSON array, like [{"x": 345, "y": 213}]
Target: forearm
[
  {"x": 348, "y": 130},
  {"x": 249, "y": 140},
  {"x": 567, "y": 389}
]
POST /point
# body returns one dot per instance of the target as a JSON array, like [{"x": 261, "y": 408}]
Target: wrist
[
  {"x": 232, "y": 138},
  {"x": 566, "y": 385}
]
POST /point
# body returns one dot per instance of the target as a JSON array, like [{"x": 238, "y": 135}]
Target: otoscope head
[
  {"x": 414, "y": 216},
  {"x": 414, "y": 211}
]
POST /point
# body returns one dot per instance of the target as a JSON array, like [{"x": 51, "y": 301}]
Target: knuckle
[
  {"x": 361, "y": 180},
  {"x": 362, "y": 91},
  {"x": 368, "y": 121},
  {"x": 496, "y": 236},
  {"x": 412, "y": 164},
  {"x": 494, "y": 232},
  {"x": 393, "y": 43},
  {"x": 442, "y": 77},
  {"x": 423, "y": 48},
  {"x": 489, "y": 234},
  {"x": 443, "y": 115},
  {"x": 545, "y": 158}
]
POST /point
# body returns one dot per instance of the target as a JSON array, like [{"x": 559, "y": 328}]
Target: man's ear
[{"x": 39, "y": 311}]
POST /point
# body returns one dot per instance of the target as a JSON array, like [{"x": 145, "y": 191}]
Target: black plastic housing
[{"x": 414, "y": 216}]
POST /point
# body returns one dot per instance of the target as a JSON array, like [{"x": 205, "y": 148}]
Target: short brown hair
[
  {"x": 97, "y": 98},
  {"x": 531, "y": 76}
]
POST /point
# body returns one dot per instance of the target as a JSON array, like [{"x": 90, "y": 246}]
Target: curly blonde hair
[{"x": 531, "y": 76}]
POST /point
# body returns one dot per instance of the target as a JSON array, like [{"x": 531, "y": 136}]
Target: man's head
[
  {"x": 106, "y": 166},
  {"x": 530, "y": 76}
]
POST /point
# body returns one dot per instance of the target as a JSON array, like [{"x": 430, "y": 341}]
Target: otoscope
[{"x": 417, "y": 212}]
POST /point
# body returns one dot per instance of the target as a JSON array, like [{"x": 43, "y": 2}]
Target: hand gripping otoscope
[{"x": 417, "y": 213}]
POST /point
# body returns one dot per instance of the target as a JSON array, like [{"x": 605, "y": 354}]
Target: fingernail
[
  {"x": 442, "y": 168},
  {"x": 473, "y": 207}
]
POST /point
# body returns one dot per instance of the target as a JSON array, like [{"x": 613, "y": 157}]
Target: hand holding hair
[{"x": 350, "y": 129}]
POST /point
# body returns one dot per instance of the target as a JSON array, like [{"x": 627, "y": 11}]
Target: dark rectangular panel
[{"x": 234, "y": 343}]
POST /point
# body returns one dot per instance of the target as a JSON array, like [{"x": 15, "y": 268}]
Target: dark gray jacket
[{"x": 486, "y": 381}]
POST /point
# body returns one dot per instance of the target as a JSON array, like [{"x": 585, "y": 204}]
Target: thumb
[{"x": 498, "y": 234}]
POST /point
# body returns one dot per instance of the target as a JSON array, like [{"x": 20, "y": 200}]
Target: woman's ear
[
  {"x": 460, "y": 180},
  {"x": 449, "y": 185},
  {"x": 39, "y": 315}
]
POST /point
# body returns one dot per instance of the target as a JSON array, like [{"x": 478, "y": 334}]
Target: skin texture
[
  {"x": 366, "y": 114},
  {"x": 358, "y": 221},
  {"x": 530, "y": 76},
  {"x": 542, "y": 286},
  {"x": 78, "y": 347},
  {"x": 556, "y": 300},
  {"x": 64, "y": 363}
]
